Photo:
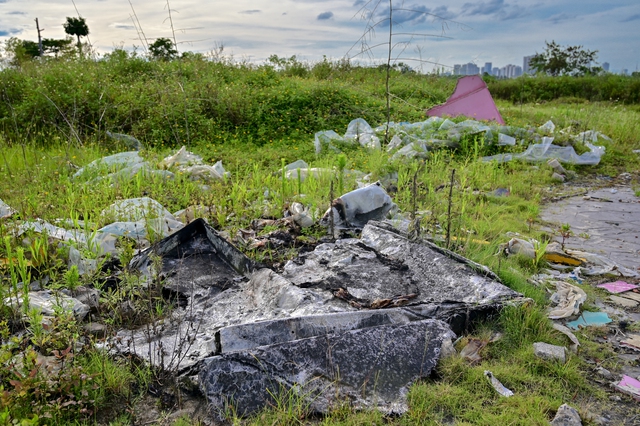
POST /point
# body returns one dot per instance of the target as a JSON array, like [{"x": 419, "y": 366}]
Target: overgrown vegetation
[{"x": 54, "y": 116}]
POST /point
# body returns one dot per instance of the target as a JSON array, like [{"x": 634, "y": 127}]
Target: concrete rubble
[{"x": 247, "y": 334}]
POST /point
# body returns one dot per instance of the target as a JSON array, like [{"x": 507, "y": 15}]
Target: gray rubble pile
[{"x": 356, "y": 321}]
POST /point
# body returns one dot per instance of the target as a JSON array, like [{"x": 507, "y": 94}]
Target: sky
[{"x": 426, "y": 35}]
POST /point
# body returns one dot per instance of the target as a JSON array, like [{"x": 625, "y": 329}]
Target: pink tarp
[
  {"x": 618, "y": 286},
  {"x": 470, "y": 98}
]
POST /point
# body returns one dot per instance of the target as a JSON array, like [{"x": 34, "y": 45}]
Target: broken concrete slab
[
  {"x": 366, "y": 368},
  {"x": 47, "y": 302}
]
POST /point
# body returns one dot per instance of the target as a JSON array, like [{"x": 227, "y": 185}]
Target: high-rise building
[
  {"x": 469, "y": 69},
  {"x": 456, "y": 69},
  {"x": 526, "y": 67},
  {"x": 605, "y": 66},
  {"x": 487, "y": 68},
  {"x": 495, "y": 72}
]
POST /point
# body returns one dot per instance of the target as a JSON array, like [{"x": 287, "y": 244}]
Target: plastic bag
[
  {"x": 5, "y": 210},
  {"x": 111, "y": 163}
]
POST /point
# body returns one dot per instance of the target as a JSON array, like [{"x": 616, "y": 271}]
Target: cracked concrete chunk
[{"x": 369, "y": 368}]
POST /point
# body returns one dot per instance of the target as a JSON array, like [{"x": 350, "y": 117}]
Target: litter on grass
[
  {"x": 470, "y": 98},
  {"x": 5, "y": 210},
  {"x": 568, "y": 299},
  {"x": 630, "y": 386},
  {"x": 617, "y": 286},
  {"x": 499, "y": 387},
  {"x": 632, "y": 342},
  {"x": 354, "y": 209},
  {"x": 588, "y": 319}
]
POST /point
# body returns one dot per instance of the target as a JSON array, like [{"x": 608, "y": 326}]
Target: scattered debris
[
  {"x": 588, "y": 319},
  {"x": 617, "y": 286},
  {"x": 324, "y": 299},
  {"x": 471, "y": 351},
  {"x": 564, "y": 330},
  {"x": 633, "y": 342},
  {"x": 623, "y": 301},
  {"x": 568, "y": 299},
  {"x": 566, "y": 416},
  {"x": 471, "y": 98},
  {"x": 193, "y": 165},
  {"x": 354, "y": 209},
  {"x": 499, "y": 387},
  {"x": 46, "y": 302},
  {"x": 550, "y": 352},
  {"x": 545, "y": 151},
  {"x": 630, "y": 386},
  {"x": 5, "y": 210}
]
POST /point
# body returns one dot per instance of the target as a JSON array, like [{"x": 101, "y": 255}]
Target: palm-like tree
[{"x": 77, "y": 27}]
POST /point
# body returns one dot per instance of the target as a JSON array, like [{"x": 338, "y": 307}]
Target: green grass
[{"x": 255, "y": 119}]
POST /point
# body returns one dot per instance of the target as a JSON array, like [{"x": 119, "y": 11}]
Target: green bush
[{"x": 609, "y": 87}]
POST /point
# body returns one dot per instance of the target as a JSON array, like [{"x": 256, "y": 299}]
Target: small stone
[
  {"x": 88, "y": 296},
  {"x": 566, "y": 416},
  {"x": 604, "y": 373},
  {"x": 549, "y": 352},
  {"x": 615, "y": 398},
  {"x": 96, "y": 329},
  {"x": 557, "y": 177}
]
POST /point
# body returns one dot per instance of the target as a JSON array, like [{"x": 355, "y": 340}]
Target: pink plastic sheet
[
  {"x": 630, "y": 386},
  {"x": 617, "y": 286},
  {"x": 471, "y": 98}
]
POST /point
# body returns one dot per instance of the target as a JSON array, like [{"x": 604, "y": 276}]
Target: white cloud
[{"x": 498, "y": 31}]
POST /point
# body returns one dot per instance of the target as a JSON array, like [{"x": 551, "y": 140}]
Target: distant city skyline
[
  {"x": 508, "y": 70},
  {"x": 426, "y": 36}
]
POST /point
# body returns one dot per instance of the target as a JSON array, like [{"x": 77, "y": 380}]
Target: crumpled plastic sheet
[
  {"x": 600, "y": 265},
  {"x": 358, "y": 131},
  {"x": 193, "y": 165},
  {"x": 134, "y": 209},
  {"x": 111, "y": 163},
  {"x": 139, "y": 219},
  {"x": 130, "y": 141},
  {"x": 356, "y": 208},
  {"x": 546, "y": 150},
  {"x": 5, "y": 210},
  {"x": 568, "y": 299}
]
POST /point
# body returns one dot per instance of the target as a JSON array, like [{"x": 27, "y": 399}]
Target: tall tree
[
  {"x": 163, "y": 49},
  {"x": 571, "y": 60},
  {"x": 76, "y": 27}
]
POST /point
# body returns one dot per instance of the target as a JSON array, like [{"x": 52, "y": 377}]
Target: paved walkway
[{"x": 604, "y": 221}]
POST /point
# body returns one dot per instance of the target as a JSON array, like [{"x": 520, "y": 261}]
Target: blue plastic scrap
[{"x": 587, "y": 319}]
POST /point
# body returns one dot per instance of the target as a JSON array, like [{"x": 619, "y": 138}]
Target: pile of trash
[
  {"x": 126, "y": 165},
  {"x": 409, "y": 140}
]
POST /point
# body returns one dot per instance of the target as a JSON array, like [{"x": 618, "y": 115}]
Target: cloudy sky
[{"x": 446, "y": 33}]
